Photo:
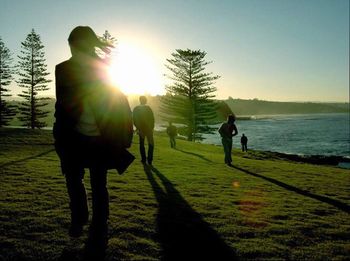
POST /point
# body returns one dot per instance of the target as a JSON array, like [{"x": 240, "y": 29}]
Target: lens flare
[{"x": 135, "y": 71}]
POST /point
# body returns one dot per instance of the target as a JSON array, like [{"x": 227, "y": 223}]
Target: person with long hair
[{"x": 83, "y": 132}]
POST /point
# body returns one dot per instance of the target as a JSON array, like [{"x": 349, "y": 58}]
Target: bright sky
[{"x": 273, "y": 49}]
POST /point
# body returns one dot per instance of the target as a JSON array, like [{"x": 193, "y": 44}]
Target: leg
[
  {"x": 142, "y": 146},
  {"x": 150, "y": 147},
  {"x": 229, "y": 150},
  {"x": 174, "y": 142},
  {"x": 96, "y": 244},
  {"x": 78, "y": 201},
  {"x": 100, "y": 200},
  {"x": 224, "y": 144}
]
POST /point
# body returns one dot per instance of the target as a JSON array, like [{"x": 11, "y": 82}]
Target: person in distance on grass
[
  {"x": 92, "y": 130},
  {"x": 144, "y": 122},
  {"x": 244, "y": 142},
  {"x": 228, "y": 130},
  {"x": 172, "y": 133}
]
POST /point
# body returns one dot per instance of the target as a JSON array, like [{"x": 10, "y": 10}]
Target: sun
[{"x": 134, "y": 71}]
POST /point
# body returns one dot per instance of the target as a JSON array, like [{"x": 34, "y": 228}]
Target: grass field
[{"x": 189, "y": 205}]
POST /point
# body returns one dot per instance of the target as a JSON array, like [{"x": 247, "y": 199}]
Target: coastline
[
  {"x": 332, "y": 160},
  {"x": 339, "y": 161}
]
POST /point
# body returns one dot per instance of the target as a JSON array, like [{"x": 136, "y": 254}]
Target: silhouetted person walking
[
  {"x": 226, "y": 132},
  {"x": 244, "y": 142},
  {"x": 144, "y": 123},
  {"x": 86, "y": 132},
  {"x": 172, "y": 133}
]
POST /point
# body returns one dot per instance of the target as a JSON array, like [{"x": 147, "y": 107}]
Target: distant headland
[{"x": 243, "y": 109}]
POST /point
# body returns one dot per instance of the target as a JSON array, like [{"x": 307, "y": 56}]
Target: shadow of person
[
  {"x": 181, "y": 231},
  {"x": 194, "y": 154},
  {"x": 333, "y": 202},
  {"x": 26, "y": 159},
  {"x": 71, "y": 252}
]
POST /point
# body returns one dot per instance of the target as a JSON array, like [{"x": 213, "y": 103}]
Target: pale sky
[{"x": 276, "y": 50}]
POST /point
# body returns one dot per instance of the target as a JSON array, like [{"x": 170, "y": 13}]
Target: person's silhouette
[
  {"x": 82, "y": 130},
  {"x": 244, "y": 142},
  {"x": 226, "y": 132},
  {"x": 172, "y": 133},
  {"x": 144, "y": 123}
]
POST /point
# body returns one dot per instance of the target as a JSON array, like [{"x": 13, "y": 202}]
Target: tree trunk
[{"x": 32, "y": 117}]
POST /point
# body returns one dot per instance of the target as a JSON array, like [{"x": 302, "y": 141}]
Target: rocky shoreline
[
  {"x": 340, "y": 161},
  {"x": 314, "y": 159}
]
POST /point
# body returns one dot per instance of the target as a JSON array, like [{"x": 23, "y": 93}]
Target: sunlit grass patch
[{"x": 265, "y": 209}]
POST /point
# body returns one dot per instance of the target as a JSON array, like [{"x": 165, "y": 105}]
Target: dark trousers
[
  {"x": 76, "y": 154},
  {"x": 172, "y": 142},
  {"x": 78, "y": 199},
  {"x": 149, "y": 136},
  {"x": 244, "y": 147},
  {"x": 227, "y": 144}
]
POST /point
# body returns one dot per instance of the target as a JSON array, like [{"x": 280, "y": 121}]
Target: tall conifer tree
[
  {"x": 189, "y": 98},
  {"x": 33, "y": 73},
  {"x": 7, "y": 110},
  {"x": 109, "y": 39}
]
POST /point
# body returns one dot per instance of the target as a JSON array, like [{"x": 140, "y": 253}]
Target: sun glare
[{"x": 134, "y": 71}]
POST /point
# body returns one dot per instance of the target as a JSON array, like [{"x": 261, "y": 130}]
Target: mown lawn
[{"x": 190, "y": 205}]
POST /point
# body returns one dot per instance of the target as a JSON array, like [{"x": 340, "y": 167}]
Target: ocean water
[{"x": 311, "y": 134}]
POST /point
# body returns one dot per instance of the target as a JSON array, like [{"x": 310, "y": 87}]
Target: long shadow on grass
[
  {"x": 336, "y": 203},
  {"x": 194, "y": 154},
  {"x": 25, "y": 159},
  {"x": 183, "y": 234}
]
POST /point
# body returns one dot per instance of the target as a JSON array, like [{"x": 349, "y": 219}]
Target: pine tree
[
  {"x": 109, "y": 39},
  {"x": 189, "y": 98},
  {"x": 33, "y": 79},
  {"x": 7, "y": 111}
]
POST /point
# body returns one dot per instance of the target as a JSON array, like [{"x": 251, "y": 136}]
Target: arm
[
  {"x": 235, "y": 131},
  {"x": 152, "y": 118},
  {"x": 221, "y": 130},
  {"x": 66, "y": 109},
  {"x": 135, "y": 117}
]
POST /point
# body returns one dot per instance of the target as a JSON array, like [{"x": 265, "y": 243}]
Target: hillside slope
[{"x": 188, "y": 204}]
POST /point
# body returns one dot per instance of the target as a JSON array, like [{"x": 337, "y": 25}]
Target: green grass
[{"x": 190, "y": 201}]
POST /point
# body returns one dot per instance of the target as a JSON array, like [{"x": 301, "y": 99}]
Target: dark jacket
[
  {"x": 112, "y": 112},
  {"x": 227, "y": 129},
  {"x": 244, "y": 140},
  {"x": 171, "y": 131},
  {"x": 143, "y": 118}
]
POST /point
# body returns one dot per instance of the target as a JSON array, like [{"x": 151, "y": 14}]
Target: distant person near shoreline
[
  {"x": 244, "y": 142},
  {"x": 144, "y": 123},
  {"x": 172, "y": 133},
  {"x": 227, "y": 131},
  {"x": 92, "y": 130}
]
